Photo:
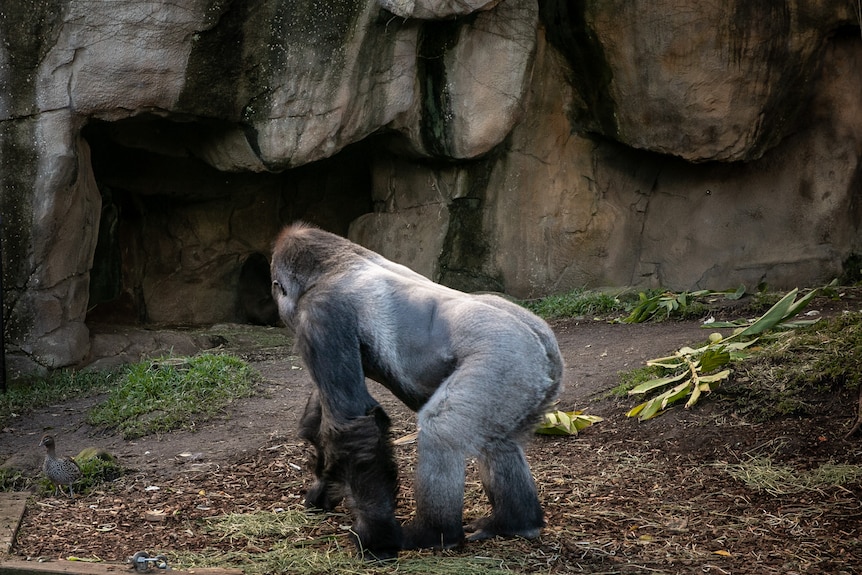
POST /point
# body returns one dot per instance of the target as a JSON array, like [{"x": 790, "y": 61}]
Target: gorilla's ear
[{"x": 276, "y": 285}]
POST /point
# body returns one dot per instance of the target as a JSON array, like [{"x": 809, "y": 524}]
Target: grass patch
[
  {"x": 576, "y": 303},
  {"x": 255, "y": 528},
  {"x": 24, "y": 395},
  {"x": 793, "y": 371},
  {"x": 286, "y": 557},
  {"x": 163, "y": 395},
  {"x": 14, "y": 480},
  {"x": 762, "y": 474}
]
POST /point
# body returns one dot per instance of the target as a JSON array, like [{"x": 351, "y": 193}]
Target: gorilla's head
[{"x": 301, "y": 255}]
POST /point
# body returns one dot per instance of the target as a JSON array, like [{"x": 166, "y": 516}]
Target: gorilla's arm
[
  {"x": 348, "y": 428},
  {"x": 328, "y": 341}
]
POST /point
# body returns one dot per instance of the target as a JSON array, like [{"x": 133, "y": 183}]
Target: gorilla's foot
[
  {"x": 376, "y": 538},
  {"x": 488, "y": 527},
  {"x": 378, "y": 555},
  {"x": 417, "y": 536}
]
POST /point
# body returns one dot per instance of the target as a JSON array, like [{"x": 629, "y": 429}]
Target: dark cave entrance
[{"x": 182, "y": 243}]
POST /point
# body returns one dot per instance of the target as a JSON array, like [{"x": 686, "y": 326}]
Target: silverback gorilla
[{"x": 479, "y": 370}]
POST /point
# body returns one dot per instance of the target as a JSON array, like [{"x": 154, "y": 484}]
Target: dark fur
[{"x": 479, "y": 370}]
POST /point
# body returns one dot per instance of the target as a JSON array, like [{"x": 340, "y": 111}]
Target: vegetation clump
[
  {"x": 14, "y": 480},
  {"x": 763, "y": 474},
  {"x": 654, "y": 304},
  {"x": 273, "y": 542},
  {"x": 790, "y": 374},
  {"x": 649, "y": 305},
  {"x": 576, "y": 303},
  {"x": 58, "y": 386},
  {"x": 691, "y": 372},
  {"x": 163, "y": 395}
]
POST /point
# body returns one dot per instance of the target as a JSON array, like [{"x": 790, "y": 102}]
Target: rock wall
[{"x": 149, "y": 150}]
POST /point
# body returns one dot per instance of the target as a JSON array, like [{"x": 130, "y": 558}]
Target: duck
[{"x": 61, "y": 471}]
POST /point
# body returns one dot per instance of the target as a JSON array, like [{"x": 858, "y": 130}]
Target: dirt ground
[{"x": 621, "y": 497}]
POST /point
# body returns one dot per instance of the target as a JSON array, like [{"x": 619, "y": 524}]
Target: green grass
[
  {"x": 793, "y": 371},
  {"x": 288, "y": 557},
  {"x": 14, "y": 480},
  {"x": 576, "y": 303},
  {"x": 59, "y": 386},
  {"x": 163, "y": 395}
]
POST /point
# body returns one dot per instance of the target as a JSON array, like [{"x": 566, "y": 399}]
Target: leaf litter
[{"x": 621, "y": 497}]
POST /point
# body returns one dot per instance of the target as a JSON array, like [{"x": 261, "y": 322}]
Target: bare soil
[{"x": 621, "y": 497}]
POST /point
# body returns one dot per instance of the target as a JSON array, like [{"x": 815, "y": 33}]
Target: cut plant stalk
[
  {"x": 566, "y": 422},
  {"x": 695, "y": 370}
]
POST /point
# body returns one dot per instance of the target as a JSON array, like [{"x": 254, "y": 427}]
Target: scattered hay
[
  {"x": 762, "y": 474},
  {"x": 259, "y": 525}
]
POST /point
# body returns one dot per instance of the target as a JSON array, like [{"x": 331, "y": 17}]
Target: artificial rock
[{"x": 148, "y": 150}]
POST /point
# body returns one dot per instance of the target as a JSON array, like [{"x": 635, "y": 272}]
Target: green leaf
[
  {"x": 584, "y": 421},
  {"x": 665, "y": 363},
  {"x": 734, "y": 323},
  {"x": 566, "y": 422},
  {"x": 695, "y": 395},
  {"x": 714, "y": 377},
  {"x": 797, "y": 306},
  {"x": 712, "y": 359},
  {"x": 740, "y": 291},
  {"x": 633, "y": 412},
  {"x": 782, "y": 311},
  {"x": 656, "y": 383},
  {"x": 676, "y": 394},
  {"x": 651, "y": 409}
]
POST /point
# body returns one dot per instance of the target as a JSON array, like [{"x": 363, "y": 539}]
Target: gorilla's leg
[
  {"x": 509, "y": 485},
  {"x": 468, "y": 416},
  {"x": 324, "y": 494},
  {"x": 439, "y": 495},
  {"x": 444, "y": 441},
  {"x": 359, "y": 454}
]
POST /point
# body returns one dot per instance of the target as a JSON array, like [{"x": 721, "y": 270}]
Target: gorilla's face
[{"x": 286, "y": 304}]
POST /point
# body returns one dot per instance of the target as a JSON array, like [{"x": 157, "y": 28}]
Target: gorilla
[{"x": 479, "y": 370}]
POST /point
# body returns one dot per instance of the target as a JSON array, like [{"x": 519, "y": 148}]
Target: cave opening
[{"x": 183, "y": 243}]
